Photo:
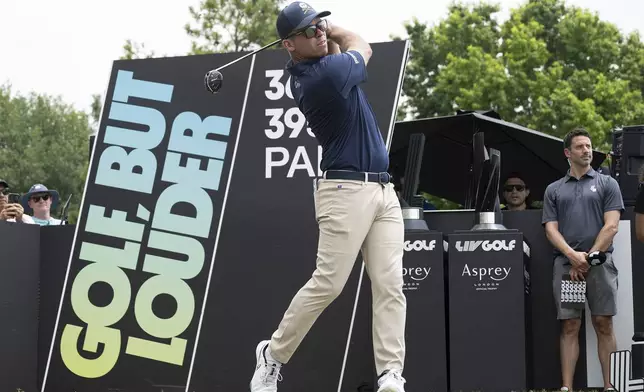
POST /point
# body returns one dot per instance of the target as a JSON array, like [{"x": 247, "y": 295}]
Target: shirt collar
[
  {"x": 590, "y": 173},
  {"x": 301, "y": 67}
]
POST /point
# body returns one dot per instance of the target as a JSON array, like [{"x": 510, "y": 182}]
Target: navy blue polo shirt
[{"x": 327, "y": 92}]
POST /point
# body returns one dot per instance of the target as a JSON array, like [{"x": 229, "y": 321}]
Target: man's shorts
[{"x": 601, "y": 288}]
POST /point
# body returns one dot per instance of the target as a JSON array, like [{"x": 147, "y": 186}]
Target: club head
[
  {"x": 213, "y": 81},
  {"x": 596, "y": 258}
]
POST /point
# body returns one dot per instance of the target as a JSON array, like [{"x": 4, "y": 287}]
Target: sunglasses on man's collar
[{"x": 310, "y": 31}]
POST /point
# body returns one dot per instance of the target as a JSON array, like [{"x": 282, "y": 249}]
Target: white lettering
[
  {"x": 495, "y": 273},
  {"x": 270, "y": 163},
  {"x": 276, "y": 88},
  {"x": 419, "y": 245},
  {"x": 300, "y": 160},
  {"x": 294, "y": 120},
  {"x": 300, "y": 154},
  {"x": 486, "y": 246},
  {"x": 417, "y": 273}
]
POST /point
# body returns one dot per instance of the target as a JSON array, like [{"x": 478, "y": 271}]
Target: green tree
[
  {"x": 95, "y": 111},
  {"x": 43, "y": 140},
  {"x": 134, "y": 50},
  {"x": 549, "y": 67},
  {"x": 232, "y": 25},
  {"x": 220, "y": 26}
]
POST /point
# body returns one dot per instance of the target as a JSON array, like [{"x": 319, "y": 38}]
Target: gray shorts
[{"x": 601, "y": 288}]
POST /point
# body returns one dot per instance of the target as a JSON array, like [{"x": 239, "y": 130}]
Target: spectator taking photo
[
  {"x": 38, "y": 203},
  {"x": 11, "y": 212}
]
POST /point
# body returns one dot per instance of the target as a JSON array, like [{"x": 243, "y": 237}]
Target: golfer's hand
[
  {"x": 576, "y": 274},
  {"x": 578, "y": 260},
  {"x": 329, "y": 28}
]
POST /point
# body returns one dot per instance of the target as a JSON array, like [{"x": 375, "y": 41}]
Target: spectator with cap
[
  {"x": 38, "y": 203},
  {"x": 11, "y": 212}
]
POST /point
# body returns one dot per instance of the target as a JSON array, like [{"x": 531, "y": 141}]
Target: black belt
[{"x": 381, "y": 178}]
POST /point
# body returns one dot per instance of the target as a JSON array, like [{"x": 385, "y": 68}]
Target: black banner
[
  {"x": 157, "y": 270},
  {"x": 425, "y": 331},
  {"x": 488, "y": 335},
  {"x": 148, "y": 226},
  {"x": 40, "y": 302},
  {"x": 19, "y": 272}
]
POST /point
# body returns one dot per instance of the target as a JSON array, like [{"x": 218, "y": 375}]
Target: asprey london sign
[
  {"x": 486, "y": 285},
  {"x": 132, "y": 312}
]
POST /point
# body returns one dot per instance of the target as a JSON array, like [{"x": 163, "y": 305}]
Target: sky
[{"x": 66, "y": 47}]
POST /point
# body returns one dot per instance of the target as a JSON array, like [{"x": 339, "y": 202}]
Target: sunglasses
[
  {"x": 509, "y": 188},
  {"x": 311, "y": 30},
  {"x": 36, "y": 199},
  {"x": 4, "y": 192}
]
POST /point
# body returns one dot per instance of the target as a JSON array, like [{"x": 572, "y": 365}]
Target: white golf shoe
[
  {"x": 391, "y": 381},
  {"x": 267, "y": 370}
]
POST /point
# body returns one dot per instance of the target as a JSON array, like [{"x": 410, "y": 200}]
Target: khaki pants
[{"x": 353, "y": 216}]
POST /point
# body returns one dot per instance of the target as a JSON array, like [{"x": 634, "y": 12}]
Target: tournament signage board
[
  {"x": 425, "y": 328},
  {"x": 487, "y": 283},
  {"x": 196, "y": 225}
]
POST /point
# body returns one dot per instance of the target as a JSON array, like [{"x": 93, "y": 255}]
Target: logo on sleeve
[{"x": 355, "y": 59}]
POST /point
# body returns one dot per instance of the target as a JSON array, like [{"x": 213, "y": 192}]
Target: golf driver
[{"x": 214, "y": 79}]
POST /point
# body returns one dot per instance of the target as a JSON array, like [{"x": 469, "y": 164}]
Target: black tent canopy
[{"x": 539, "y": 157}]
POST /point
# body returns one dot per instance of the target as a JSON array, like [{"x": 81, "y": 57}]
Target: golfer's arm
[
  {"x": 348, "y": 40},
  {"x": 334, "y": 48},
  {"x": 607, "y": 233},
  {"x": 556, "y": 239}
]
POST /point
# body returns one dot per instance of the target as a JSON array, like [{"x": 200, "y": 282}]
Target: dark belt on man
[{"x": 380, "y": 178}]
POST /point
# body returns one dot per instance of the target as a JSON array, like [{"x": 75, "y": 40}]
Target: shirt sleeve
[
  {"x": 613, "y": 196},
  {"x": 27, "y": 219},
  {"x": 639, "y": 202},
  {"x": 345, "y": 71},
  {"x": 549, "y": 206}
]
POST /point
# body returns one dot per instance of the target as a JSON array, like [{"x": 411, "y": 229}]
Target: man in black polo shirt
[
  {"x": 356, "y": 206},
  {"x": 581, "y": 213}
]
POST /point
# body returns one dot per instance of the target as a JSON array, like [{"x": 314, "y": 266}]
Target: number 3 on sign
[{"x": 277, "y": 89}]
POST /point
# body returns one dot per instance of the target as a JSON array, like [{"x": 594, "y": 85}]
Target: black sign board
[
  {"x": 184, "y": 188},
  {"x": 488, "y": 334},
  {"x": 19, "y": 284},
  {"x": 425, "y": 335}
]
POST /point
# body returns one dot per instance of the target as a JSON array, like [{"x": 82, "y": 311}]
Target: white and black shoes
[
  {"x": 267, "y": 370},
  {"x": 267, "y": 374},
  {"x": 391, "y": 381}
]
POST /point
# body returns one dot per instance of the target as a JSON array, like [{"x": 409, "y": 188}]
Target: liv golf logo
[
  {"x": 621, "y": 373},
  {"x": 486, "y": 246},
  {"x": 419, "y": 245}
]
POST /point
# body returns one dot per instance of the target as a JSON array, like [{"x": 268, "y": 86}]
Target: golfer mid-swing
[{"x": 356, "y": 206}]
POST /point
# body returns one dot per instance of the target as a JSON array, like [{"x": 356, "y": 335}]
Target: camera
[{"x": 14, "y": 198}]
